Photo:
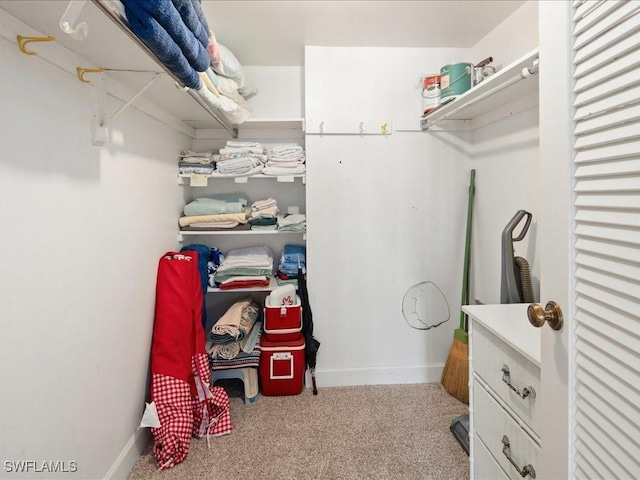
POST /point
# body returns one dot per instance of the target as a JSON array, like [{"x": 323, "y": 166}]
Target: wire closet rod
[
  {"x": 111, "y": 10},
  {"x": 525, "y": 73}
]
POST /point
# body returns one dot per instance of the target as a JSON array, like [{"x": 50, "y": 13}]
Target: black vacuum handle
[{"x": 516, "y": 220}]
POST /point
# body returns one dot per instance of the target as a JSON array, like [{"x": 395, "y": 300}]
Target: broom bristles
[{"x": 455, "y": 376}]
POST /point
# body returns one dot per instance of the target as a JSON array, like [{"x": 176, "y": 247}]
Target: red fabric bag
[{"x": 185, "y": 402}]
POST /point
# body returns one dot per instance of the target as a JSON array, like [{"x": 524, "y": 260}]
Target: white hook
[
  {"x": 70, "y": 16},
  {"x": 321, "y": 127},
  {"x": 361, "y": 128}
]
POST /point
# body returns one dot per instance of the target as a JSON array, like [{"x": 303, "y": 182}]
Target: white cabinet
[{"x": 504, "y": 392}]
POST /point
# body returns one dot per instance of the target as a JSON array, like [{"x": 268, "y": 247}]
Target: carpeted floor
[{"x": 366, "y": 432}]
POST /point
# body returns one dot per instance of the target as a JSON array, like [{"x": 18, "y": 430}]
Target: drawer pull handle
[
  {"x": 527, "y": 470},
  {"x": 526, "y": 392}
]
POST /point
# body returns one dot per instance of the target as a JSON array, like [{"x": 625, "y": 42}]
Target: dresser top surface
[{"x": 510, "y": 323}]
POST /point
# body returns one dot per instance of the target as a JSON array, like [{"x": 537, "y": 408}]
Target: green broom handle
[{"x": 467, "y": 248}]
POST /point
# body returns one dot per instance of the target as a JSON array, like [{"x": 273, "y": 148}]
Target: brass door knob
[{"x": 550, "y": 314}]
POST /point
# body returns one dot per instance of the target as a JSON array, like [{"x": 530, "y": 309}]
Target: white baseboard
[
  {"x": 345, "y": 377},
  {"x": 129, "y": 455}
]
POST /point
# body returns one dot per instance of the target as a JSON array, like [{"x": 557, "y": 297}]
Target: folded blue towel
[
  {"x": 292, "y": 253},
  {"x": 169, "y": 19},
  {"x": 160, "y": 43},
  {"x": 193, "y": 20}
]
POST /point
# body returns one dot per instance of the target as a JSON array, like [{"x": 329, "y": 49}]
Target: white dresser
[{"x": 504, "y": 392}]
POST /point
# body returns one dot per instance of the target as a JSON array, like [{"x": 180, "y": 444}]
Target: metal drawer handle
[
  {"x": 527, "y": 470},
  {"x": 526, "y": 392}
]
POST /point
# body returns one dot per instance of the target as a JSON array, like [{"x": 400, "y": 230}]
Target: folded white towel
[{"x": 284, "y": 295}]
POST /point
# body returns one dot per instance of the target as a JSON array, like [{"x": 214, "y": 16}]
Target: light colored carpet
[{"x": 364, "y": 432}]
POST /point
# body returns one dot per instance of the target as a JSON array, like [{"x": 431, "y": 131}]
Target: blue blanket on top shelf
[{"x": 159, "y": 25}]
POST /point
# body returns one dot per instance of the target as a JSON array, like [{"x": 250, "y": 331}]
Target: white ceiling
[{"x": 275, "y": 32}]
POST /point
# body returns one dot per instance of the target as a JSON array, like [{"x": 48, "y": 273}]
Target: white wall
[
  {"x": 280, "y": 91},
  {"x": 384, "y": 213},
  {"x": 83, "y": 229},
  {"x": 511, "y": 39},
  {"x": 505, "y": 156}
]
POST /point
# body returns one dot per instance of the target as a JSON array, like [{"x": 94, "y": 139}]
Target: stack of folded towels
[
  {"x": 236, "y": 332},
  {"x": 292, "y": 258},
  {"x": 239, "y": 159},
  {"x": 227, "y": 210},
  {"x": 245, "y": 267},
  {"x": 287, "y": 159},
  {"x": 292, "y": 222},
  {"x": 192, "y": 163},
  {"x": 264, "y": 215}
]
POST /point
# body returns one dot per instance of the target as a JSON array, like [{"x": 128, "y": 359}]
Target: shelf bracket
[
  {"x": 23, "y": 41},
  {"x": 98, "y": 103}
]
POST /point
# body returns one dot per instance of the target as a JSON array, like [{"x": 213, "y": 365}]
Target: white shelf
[
  {"x": 238, "y": 232},
  {"x": 273, "y": 284},
  {"x": 511, "y": 90},
  {"x": 185, "y": 179}
]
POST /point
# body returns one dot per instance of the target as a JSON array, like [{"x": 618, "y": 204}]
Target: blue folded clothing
[
  {"x": 193, "y": 19},
  {"x": 160, "y": 43},
  {"x": 292, "y": 254}
]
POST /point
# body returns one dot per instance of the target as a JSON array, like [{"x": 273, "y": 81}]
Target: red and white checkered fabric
[
  {"x": 211, "y": 407},
  {"x": 173, "y": 403}
]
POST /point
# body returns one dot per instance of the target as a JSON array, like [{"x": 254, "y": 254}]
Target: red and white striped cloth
[{"x": 186, "y": 403}]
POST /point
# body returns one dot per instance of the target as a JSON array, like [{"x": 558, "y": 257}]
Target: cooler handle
[{"x": 280, "y": 357}]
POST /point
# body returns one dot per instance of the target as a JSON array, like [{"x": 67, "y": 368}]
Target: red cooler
[
  {"x": 282, "y": 367},
  {"x": 282, "y": 323}
]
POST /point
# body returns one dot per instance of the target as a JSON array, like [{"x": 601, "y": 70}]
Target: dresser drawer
[
  {"x": 492, "y": 424},
  {"x": 491, "y": 356},
  {"x": 485, "y": 467}
]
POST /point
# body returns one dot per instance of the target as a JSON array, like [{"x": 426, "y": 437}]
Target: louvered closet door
[{"x": 606, "y": 423}]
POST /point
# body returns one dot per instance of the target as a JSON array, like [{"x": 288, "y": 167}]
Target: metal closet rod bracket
[
  {"x": 98, "y": 104},
  {"x": 23, "y": 41}
]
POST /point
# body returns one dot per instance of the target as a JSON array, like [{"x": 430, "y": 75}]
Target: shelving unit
[{"x": 511, "y": 90}]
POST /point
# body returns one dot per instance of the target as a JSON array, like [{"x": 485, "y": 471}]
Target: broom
[{"x": 455, "y": 376}]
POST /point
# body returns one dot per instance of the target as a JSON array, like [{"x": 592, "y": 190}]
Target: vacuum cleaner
[{"x": 516, "y": 284}]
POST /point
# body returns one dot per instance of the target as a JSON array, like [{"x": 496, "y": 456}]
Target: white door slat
[
  {"x": 607, "y": 281},
  {"x": 612, "y": 300},
  {"x": 617, "y": 459},
  {"x": 613, "y": 102},
  {"x": 601, "y": 66},
  {"x": 613, "y": 339},
  {"x": 621, "y": 353},
  {"x": 614, "y": 233},
  {"x": 587, "y": 328},
  {"x": 586, "y": 8},
  {"x": 618, "y": 377},
  {"x": 608, "y": 217},
  {"x": 603, "y": 19},
  {"x": 604, "y": 89},
  {"x": 593, "y": 382},
  {"x": 593, "y": 312},
  {"x": 584, "y": 470},
  {"x": 629, "y": 183},
  {"x": 607, "y": 264},
  {"x": 622, "y": 201},
  {"x": 607, "y": 39},
  {"x": 614, "y": 135},
  {"x": 587, "y": 398},
  {"x": 609, "y": 152},
  {"x": 628, "y": 253},
  {"x": 618, "y": 116},
  {"x": 629, "y": 166}
]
